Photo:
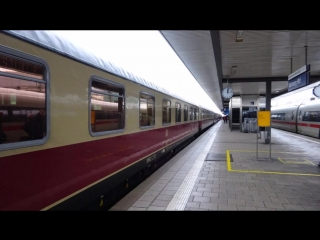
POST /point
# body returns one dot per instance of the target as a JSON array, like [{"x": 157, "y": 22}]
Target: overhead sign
[
  {"x": 305, "y": 68},
  {"x": 264, "y": 118},
  {"x": 299, "y": 78},
  {"x": 298, "y": 81}
]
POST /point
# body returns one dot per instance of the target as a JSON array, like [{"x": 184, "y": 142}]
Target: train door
[
  {"x": 298, "y": 118},
  {"x": 304, "y": 125},
  {"x": 293, "y": 125},
  {"x": 234, "y": 120}
]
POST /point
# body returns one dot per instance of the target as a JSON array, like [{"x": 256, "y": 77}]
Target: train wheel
[{"x": 171, "y": 153}]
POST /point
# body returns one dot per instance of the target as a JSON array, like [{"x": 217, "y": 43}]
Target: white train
[{"x": 303, "y": 119}]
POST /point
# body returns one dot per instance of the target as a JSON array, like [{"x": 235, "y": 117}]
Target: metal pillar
[
  {"x": 306, "y": 54},
  {"x": 268, "y": 108}
]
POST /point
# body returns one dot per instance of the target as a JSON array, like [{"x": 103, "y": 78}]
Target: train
[
  {"x": 103, "y": 131},
  {"x": 302, "y": 118}
]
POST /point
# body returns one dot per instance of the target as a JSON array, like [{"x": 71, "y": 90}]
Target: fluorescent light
[
  {"x": 240, "y": 35},
  {"x": 233, "y": 70}
]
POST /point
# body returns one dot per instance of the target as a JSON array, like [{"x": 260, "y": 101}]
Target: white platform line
[
  {"x": 293, "y": 135},
  {"x": 180, "y": 199}
]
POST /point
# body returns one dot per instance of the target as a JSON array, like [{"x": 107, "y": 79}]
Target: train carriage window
[
  {"x": 278, "y": 116},
  {"x": 311, "y": 116},
  {"x": 178, "y": 112},
  {"x": 300, "y": 115},
  {"x": 147, "y": 110},
  {"x": 195, "y": 113},
  {"x": 166, "y": 111},
  {"x": 306, "y": 116},
  {"x": 107, "y": 106},
  {"x": 23, "y": 100},
  {"x": 207, "y": 114},
  {"x": 314, "y": 116},
  {"x": 185, "y": 113},
  {"x": 191, "y": 114}
]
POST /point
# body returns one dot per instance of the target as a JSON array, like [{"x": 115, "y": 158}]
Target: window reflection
[
  {"x": 147, "y": 110},
  {"x": 22, "y": 102},
  {"x": 191, "y": 114},
  {"x": 166, "y": 111},
  {"x": 107, "y": 106},
  {"x": 185, "y": 117},
  {"x": 178, "y": 112}
]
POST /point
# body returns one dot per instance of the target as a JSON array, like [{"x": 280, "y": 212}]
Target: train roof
[
  {"x": 53, "y": 42},
  {"x": 295, "y": 105}
]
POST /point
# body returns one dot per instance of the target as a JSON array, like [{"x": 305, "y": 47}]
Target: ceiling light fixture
[
  {"x": 240, "y": 34},
  {"x": 233, "y": 70}
]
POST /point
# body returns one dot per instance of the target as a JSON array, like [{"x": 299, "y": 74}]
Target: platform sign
[
  {"x": 299, "y": 81},
  {"x": 264, "y": 118},
  {"x": 299, "y": 78}
]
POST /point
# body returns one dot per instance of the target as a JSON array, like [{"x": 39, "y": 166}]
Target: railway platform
[{"x": 231, "y": 170}]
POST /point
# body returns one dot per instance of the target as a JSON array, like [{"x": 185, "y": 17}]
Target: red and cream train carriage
[{"x": 104, "y": 127}]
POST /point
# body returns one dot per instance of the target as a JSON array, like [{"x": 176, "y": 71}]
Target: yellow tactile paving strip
[{"x": 229, "y": 167}]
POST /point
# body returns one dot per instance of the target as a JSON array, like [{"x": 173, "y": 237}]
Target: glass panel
[
  {"x": 147, "y": 98},
  {"x": 195, "y": 114},
  {"x": 166, "y": 111},
  {"x": 107, "y": 89},
  {"x": 185, "y": 113},
  {"x": 235, "y": 115},
  {"x": 107, "y": 107},
  {"x": 20, "y": 67},
  {"x": 22, "y": 109},
  {"x": 191, "y": 114},
  {"x": 147, "y": 110},
  {"x": 178, "y": 112}
]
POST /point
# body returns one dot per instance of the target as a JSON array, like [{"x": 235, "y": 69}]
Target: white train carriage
[
  {"x": 308, "y": 119},
  {"x": 284, "y": 118},
  {"x": 303, "y": 119}
]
